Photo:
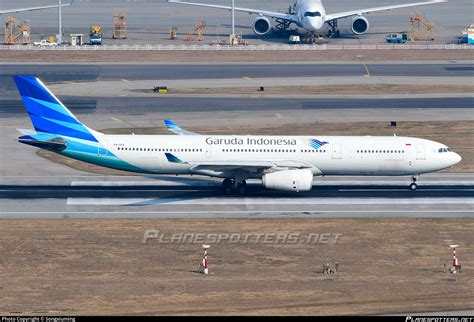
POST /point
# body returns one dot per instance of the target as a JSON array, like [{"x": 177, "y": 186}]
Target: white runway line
[
  {"x": 316, "y": 183},
  {"x": 183, "y": 183},
  {"x": 268, "y": 201}
]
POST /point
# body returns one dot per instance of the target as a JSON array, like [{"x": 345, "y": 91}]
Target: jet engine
[
  {"x": 261, "y": 26},
  {"x": 289, "y": 180},
  {"x": 359, "y": 25}
]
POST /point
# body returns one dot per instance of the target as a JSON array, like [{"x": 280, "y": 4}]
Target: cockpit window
[
  {"x": 312, "y": 14},
  {"x": 442, "y": 150}
]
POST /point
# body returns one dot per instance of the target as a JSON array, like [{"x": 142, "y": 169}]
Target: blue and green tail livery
[
  {"x": 47, "y": 113},
  {"x": 57, "y": 129}
]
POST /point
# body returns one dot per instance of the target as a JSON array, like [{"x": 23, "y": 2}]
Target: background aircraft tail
[{"x": 47, "y": 113}]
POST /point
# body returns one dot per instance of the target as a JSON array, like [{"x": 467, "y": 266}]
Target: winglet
[
  {"x": 173, "y": 159},
  {"x": 173, "y": 127}
]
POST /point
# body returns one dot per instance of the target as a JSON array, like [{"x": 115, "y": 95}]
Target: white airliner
[
  {"x": 310, "y": 15},
  {"x": 286, "y": 163},
  {"x": 2, "y": 12}
]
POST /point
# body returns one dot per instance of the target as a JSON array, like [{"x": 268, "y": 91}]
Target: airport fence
[{"x": 266, "y": 47}]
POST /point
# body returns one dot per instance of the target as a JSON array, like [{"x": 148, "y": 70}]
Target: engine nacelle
[
  {"x": 261, "y": 26},
  {"x": 289, "y": 180},
  {"x": 359, "y": 25}
]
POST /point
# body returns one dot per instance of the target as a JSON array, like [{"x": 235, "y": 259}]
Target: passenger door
[
  {"x": 336, "y": 151},
  {"x": 208, "y": 151},
  {"x": 420, "y": 152}
]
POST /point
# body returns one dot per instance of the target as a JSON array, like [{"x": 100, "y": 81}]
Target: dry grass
[
  {"x": 70, "y": 267},
  {"x": 458, "y": 135}
]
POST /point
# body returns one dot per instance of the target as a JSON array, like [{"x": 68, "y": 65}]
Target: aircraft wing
[
  {"x": 245, "y": 165},
  {"x": 359, "y": 12},
  {"x": 32, "y": 8},
  {"x": 173, "y": 127},
  {"x": 271, "y": 14}
]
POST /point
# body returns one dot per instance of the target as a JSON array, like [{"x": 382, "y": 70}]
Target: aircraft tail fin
[{"x": 47, "y": 113}]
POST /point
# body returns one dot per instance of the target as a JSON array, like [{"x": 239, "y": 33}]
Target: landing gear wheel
[
  {"x": 227, "y": 185},
  {"x": 242, "y": 188},
  {"x": 337, "y": 34},
  {"x": 413, "y": 186},
  {"x": 329, "y": 33}
]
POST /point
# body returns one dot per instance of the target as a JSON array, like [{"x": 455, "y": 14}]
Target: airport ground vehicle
[
  {"x": 45, "y": 43},
  {"x": 294, "y": 39},
  {"x": 397, "y": 38},
  {"x": 95, "y": 35}
]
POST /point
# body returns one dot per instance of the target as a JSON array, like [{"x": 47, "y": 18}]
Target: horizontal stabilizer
[{"x": 57, "y": 144}]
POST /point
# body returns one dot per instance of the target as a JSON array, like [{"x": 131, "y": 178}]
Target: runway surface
[
  {"x": 120, "y": 106},
  {"x": 442, "y": 195},
  {"x": 51, "y": 73}
]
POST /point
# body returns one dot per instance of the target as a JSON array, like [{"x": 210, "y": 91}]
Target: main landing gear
[
  {"x": 333, "y": 32},
  {"x": 413, "y": 184},
  {"x": 231, "y": 185}
]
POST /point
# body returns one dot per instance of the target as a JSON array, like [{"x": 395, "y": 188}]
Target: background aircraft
[{"x": 310, "y": 15}]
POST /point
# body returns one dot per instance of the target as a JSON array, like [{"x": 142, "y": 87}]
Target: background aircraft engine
[
  {"x": 261, "y": 26},
  {"x": 289, "y": 180},
  {"x": 360, "y": 25}
]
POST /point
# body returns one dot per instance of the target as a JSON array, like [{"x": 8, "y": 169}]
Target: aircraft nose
[
  {"x": 314, "y": 23},
  {"x": 456, "y": 158}
]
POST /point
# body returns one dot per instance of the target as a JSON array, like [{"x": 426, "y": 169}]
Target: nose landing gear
[{"x": 413, "y": 184}]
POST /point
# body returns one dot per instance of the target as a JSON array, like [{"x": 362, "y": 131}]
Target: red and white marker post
[
  {"x": 205, "y": 270},
  {"x": 455, "y": 260}
]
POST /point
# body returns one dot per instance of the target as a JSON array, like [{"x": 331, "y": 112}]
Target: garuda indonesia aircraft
[
  {"x": 310, "y": 15},
  {"x": 286, "y": 163}
]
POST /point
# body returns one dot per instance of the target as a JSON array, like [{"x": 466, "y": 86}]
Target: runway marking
[
  {"x": 398, "y": 190},
  {"x": 247, "y": 78},
  {"x": 367, "y": 72},
  {"x": 125, "y": 80},
  {"x": 267, "y": 201},
  {"x": 278, "y": 115},
  {"x": 117, "y": 120},
  {"x": 316, "y": 183},
  {"x": 161, "y": 182}
]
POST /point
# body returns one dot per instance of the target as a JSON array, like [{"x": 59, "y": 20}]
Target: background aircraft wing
[
  {"x": 32, "y": 8},
  {"x": 346, "y": 14},
  {"x": 271, "y": 14}
]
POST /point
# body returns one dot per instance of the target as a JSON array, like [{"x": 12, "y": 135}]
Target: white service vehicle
[{"x": 45, "y": 43}]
